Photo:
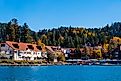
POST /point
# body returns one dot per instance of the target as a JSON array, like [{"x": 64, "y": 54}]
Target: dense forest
[{"x": 76, "y": 37}]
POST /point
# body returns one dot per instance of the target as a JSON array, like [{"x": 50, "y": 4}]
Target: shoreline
[
  {"x": 90, "y": 62},
  {"x": 59, "y": 65}
]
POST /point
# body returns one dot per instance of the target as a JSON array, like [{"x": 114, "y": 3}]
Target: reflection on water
[{"x": 60, "y": 73}]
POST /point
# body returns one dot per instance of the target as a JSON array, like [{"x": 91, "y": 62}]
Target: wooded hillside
[{"x": 62, "y": 36}]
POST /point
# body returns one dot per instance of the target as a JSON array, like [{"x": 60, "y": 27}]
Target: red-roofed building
[{"x": 21, "y": 51}]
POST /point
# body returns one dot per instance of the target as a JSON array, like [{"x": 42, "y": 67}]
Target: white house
[{"x": 21, "y": 51}]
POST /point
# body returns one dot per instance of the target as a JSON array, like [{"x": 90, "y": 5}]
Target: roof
[
  {"x": 81, "y": 49},
  {"x": 49, "y": 48},
  {"x": 10, "y": 44},
  {"x": 22, "y": 46}
]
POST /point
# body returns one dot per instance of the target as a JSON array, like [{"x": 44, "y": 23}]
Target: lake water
[{"x": 60, "y": 73}]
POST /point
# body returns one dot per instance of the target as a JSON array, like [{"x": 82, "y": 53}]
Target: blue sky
[{"x": 40, "y": 14}]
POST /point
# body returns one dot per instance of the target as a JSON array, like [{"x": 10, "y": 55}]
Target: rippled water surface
[{"x": 60, "y": 73}]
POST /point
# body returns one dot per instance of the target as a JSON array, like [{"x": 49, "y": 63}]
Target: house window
[
  {"x": 10, "y": 52},
  {"x": 15, "y": 51},
  {"x": 2, "y": 45},
  {"x": 19, "y": 54},
  {"x": 116, "y": 55},
  {"x": 15, "y": 45},
  {"x": 30, "y": 47},
  {"x": 39, "y": 47},
  {"x": 116, "y": 52},
  {"x": 68, "y": 51},
  {"x": 34, "y": 52},
  {"x": 28, "y": 52}
]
